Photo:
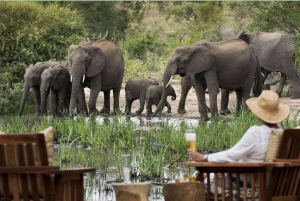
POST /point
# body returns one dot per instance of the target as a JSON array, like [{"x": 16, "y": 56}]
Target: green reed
[{"x": 99, "y": 142}]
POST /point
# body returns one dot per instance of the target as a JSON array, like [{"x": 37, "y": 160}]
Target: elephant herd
[{"x": 241, "y": 64}]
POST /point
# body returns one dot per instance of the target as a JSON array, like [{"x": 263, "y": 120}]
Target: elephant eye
[
  {"x": 178, "y": 60},
  {"x": 87, "y": 59}
]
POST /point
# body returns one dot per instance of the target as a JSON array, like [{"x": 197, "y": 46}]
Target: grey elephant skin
[
  {"x": 56, "y": 81},
  {"x": 153, "y": 97},
  {"x": 275, "y": 53},
  {"x": 100, "y": 67},
  {"x": 228, "y": 65},
  {"x": 136, "y": 89},
  {"x": 32, "y": 79}
]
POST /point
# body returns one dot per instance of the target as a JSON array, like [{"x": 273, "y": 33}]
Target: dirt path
[{"x": 191, "y": 103}]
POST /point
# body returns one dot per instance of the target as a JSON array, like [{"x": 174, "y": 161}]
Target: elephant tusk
[
  {"x": 262, "y": 74},
  {"x": 83, "y": 78},
  {"x": 71, "y": 78},
  {"x": 169, "y": 81}
]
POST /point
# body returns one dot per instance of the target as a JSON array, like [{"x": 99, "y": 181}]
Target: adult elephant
[
  {"x": 275, "y": 53},
  {"x": 99, "y": 66},
  {"x": 228, "y": 65},
  {"x": 135, "y": 89},
  {"x": 55, "y": 80},
  {"x": 32, "y": 79}
]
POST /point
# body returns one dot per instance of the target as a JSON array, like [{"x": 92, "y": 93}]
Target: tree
[
  {"x": 102, "y": 18},
  {"x": 200, "y": 19},
  {"x": 31, "y": 32}
]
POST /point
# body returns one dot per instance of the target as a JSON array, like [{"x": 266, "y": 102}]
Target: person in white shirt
[{"x": 252, "y": 147}]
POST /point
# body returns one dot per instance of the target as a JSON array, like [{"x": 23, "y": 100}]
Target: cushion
[
  {"x": 273, "y": 144},
  {"x": 272, "y": 150},
  {"x": 48, "y": 132}
]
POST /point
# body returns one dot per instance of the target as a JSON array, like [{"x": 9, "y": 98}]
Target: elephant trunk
[
  {"x": 74, "y": 96},
  {"x": 24, "y": 97},
  {"x": 44, "y": 93},
  {"x": 167, "y": 77},
  {"x": 77, "y": 75},
  {"x": 173, "y": 97}
]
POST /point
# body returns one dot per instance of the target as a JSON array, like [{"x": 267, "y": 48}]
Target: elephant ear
[
  {"x": 57, "y": 77},
  {"x": 201, "y": 59},
  {"x": 97, "y": 62}
]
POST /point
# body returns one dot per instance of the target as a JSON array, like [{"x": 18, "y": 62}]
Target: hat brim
[{"x": 273, "y": 117}]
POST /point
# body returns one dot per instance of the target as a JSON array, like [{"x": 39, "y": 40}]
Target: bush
[{"x": 137, "y": 46}]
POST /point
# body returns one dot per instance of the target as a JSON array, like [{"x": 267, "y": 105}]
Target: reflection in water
[{"x": 144, "y": 123}]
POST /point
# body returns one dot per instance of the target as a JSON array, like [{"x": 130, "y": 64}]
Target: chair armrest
[
  {"x": 280, "y": 163},
  {"x": 71, "y": 171},
  {"x": 27, "y": 169}
]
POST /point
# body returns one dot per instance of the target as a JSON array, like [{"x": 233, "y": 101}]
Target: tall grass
[{"x": 99, "y": 142}]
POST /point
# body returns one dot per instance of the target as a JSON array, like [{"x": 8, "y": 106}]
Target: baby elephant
[
  {"x": 153, "y": 97},
  {"x": 136, "y": 88}
]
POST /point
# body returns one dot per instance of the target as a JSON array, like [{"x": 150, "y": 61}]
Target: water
[{"x": 102, "y": 190}]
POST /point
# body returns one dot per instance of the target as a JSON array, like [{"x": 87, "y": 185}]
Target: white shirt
[{"x": 252, "y": 147}]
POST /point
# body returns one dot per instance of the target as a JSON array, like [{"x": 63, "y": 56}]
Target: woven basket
[{"x": 184, "y": 191}]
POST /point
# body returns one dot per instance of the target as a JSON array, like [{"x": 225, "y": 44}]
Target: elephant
[
  {"x": 32, "y": 79},
  {"x": 275, "y": 53},
  {"x": 228, "y": 64},
  {"x": 136, "y": 88},
  {"x": 100, "y": 67},
  {"x": 153, "y": 97},
  {"x": 55, "y": 79}
]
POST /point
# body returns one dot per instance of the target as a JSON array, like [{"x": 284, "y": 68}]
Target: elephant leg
[
  {"x": 128, "y": 106},
  {"x": 37, "y": 100},
  {"x": 61, "y": 101},
  {"x": 213, "y": 88},
  {"x": 93, "y": 99},
  {"x": 167, "y": 104},
  {"x": 81, "y": 101},
  {"x": 53, "y": 102},
  {"x": 106, "y": 106},
  {"x": 116, "y": 92},
  {"x": 186, "y": 85},
  {"x": 239, "y": 100},
  {"x": 224, "y": 102},
  {"x": 142, "y": 105},
  {"x": 281, "y": 84},
  {"x": 200, "y": 88}
]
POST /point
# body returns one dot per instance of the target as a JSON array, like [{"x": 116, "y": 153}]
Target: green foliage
[
  {"x": 101, "y": 16},
  {"x": 138, "y": 45},
  {"x": 201, "y": 19},
  {"x": 31, "y": 32}
]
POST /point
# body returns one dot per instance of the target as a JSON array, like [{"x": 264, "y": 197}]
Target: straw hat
[{"x": 268, "y": 107}]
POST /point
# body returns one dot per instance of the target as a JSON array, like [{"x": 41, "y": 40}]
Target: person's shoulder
[{"x": 255, "y": 129}]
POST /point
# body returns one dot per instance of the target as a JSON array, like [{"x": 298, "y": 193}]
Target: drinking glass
[
  {"x": 126, "y": 165},
  {"x": 190, "y": 138}
]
